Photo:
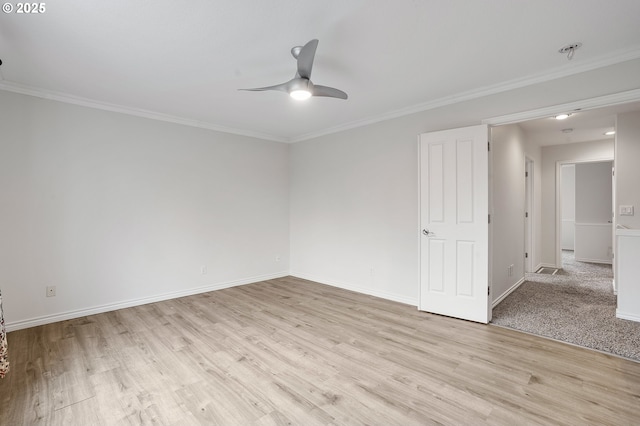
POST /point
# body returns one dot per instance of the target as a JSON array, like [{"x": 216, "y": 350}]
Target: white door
[{"x": 454, "y": 199}]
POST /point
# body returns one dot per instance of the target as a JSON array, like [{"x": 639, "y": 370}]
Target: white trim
[
  {"x": 600, "y": 225},
  {"x": 517, "y": 83},
  {"x": 625, "y": 316},
  {"x": 541, "y": 77},
  {"x": 558, "y": 177},
  {"x": 558, "y": 217},
  {"x": 508, "y": 292},
  {"x": 419, "y": 230},
  {"x": 152, "y": 115},
  {"x": 48, "y": 319},
  {"x": 358, "y": 289},
  {"x": 602, "y": 261},
  {"x": 585, "y": 104},
  {"x": 490, "y": 229},
  {"x": 628, "y": 232},
  {"x": 547, "y": 265},
  {"x": 529, "y": 206}
]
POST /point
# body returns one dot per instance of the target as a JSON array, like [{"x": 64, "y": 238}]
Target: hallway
[{"x": 576, "y": 305}]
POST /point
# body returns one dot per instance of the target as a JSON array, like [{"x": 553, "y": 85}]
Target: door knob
[{"x": 426, "y": 232}]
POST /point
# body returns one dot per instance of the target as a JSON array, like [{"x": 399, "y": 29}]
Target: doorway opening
[
  {"x": 584, "y": 217},
  {"x": 586, "y": 264}
]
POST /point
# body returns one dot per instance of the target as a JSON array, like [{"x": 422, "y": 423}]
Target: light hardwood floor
[{"x": 290, "y": 351}]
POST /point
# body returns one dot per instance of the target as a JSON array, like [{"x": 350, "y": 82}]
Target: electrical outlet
[
  {"x": 203, "y": 270},
  {"x": 51, "y": 291}
]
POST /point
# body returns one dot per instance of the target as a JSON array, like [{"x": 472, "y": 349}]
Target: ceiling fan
[{"x": 300, "y": 87}]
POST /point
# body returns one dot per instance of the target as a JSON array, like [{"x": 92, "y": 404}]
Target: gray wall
[
  {"x": 593, "y": 204},
  {"x": 551, "y": 157},
  {"x": 568, "y": 206},
  {"x": 354, "y": 194},
  {"x": 507, "y": 224},
  {"x": 116, "y": 210},
  {"x": 593, "y": 192},
  {"x": 534, "y": 153},
  {"x": 627, "y": 170},
  {"x": 628, "y": 193}
]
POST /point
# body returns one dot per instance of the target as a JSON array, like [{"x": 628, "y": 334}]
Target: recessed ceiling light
[
  {"x": 610, "y": 133},
  {"x": 562, "y": 116}
]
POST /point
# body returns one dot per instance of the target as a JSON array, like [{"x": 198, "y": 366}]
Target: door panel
[
  {"x": 436, "y": 182},
  {"x": 454, "y": 209}
]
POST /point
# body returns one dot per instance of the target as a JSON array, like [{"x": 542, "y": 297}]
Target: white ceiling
[
  {"x": 185, "y": 60},
  {"x": 580, "y": 126}
]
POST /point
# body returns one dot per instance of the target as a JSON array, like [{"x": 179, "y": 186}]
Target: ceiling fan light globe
[{"x": 300, "y": 94}]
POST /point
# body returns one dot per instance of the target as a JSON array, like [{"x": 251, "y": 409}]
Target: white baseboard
[
  {"x": 48, "y": 319},
  {"x": 626, "y": 316},
  {"x": 358, "y": 289},
  {"x": 508, "y": 292},
  {"x": 604, "y": 261}
]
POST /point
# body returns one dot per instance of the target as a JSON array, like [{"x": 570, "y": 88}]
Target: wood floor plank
[{"x": 291, "y": 351}]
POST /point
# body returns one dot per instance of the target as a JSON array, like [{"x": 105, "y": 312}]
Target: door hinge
[
  {"x": 489, "y": 146},
  {"x": 489, "y": 218},
  {"x": 526, "y": 174},
  {"x": 488, "y": 291},
  {"x": 526, "y": 214},
  {"x": 526, "y": 255}
]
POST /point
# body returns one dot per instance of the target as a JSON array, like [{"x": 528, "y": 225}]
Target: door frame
[
  {"x": 514, "y": 118},
  {"x": 583, "y": 105},
  {"x": 478, "y": 149},
  {"x": 614, "y": 224},
  {"x": 529, "y": 208},
  {"x": 621, "y": 98},
  {"x": 559, "y": 165}
]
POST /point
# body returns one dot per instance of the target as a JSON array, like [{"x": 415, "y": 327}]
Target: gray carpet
[{"x": 576, "y": 305}]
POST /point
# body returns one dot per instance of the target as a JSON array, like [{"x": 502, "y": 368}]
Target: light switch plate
[{"x": 626, "y": 210}]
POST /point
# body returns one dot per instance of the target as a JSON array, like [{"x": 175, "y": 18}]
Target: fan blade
[
  {"x": 305, "y": 59},
  {"x": 328, "y": 92},
  {"x": 284, "y": 87}
]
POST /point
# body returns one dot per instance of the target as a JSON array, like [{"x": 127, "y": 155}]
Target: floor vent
[{"x": 547, "y": 271}]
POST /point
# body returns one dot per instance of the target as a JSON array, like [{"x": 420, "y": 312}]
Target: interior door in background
[{"x": 454, "y": 207}]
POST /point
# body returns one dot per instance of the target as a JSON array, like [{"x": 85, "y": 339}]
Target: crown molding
[
  {"x": 90, "y": 103},
  {"x": 583, "y": 105},
  {"x": 559, "y": 72}
]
